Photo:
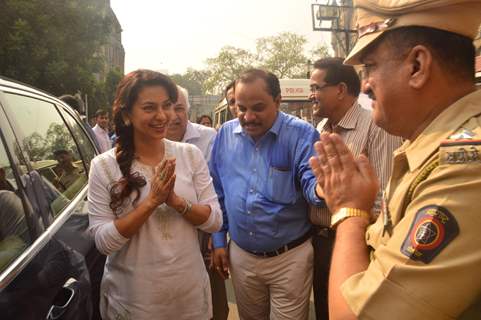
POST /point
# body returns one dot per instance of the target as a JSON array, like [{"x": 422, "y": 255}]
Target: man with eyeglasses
[
  {"x": 335, "y": 89},
  {"x": 421, "y": 258}
]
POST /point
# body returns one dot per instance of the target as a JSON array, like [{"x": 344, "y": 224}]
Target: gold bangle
[{"x": 345, "y": 213}]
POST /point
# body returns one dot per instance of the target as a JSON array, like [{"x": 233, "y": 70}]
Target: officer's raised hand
[{"x": 343, "y": 181}]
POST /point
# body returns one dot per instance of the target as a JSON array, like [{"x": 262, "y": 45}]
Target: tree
[
  {"x": 52, "y": 44},
  {"x": 110, "y": 86},
  {"x": 188, "y": 82},
  {"x": 318, "y": 52},
  {"x": 59, "y": 138},
  {"x": 199, "y": 76},
  {"x": 283, "y": 54},
  {"x": 228, "y": 65}
]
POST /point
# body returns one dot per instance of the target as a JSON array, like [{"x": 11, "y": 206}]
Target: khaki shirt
[{"x": 426, "y": 261}]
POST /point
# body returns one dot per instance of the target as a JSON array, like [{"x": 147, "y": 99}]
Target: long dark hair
[{"x": 125, "y": 98}]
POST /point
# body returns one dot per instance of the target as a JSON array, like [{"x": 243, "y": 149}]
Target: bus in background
[
  {"x": 221, "y": 114},
  {"x": 295, "y": 101}
]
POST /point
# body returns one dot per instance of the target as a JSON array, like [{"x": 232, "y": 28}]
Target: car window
[
  {"x": 85, "y": 146},
  {"x": 51, "y": 148},
  {"x": 14, "y": 232}
]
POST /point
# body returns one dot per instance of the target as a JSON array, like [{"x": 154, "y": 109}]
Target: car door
[{"x": 53, "y": 268}]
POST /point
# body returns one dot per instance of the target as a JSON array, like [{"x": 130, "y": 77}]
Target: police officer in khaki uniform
[{"x": 421, "y": 259}]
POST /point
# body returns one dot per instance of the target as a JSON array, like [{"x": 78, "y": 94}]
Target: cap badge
[
  {"x": 463, "y": 135},
  {"x": 374, "y": 27}
]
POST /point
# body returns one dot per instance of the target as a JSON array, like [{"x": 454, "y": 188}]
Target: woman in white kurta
[{"x": 154, "y": 268}]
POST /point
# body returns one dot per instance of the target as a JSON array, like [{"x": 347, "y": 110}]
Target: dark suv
[{"x": 49, "y": 267}]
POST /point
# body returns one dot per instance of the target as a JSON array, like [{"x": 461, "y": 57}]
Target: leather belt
[
  {"x": 291, "y": 245},
  {"x": 323, "y": 231}
]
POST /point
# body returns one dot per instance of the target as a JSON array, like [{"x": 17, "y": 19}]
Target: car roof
[{"x": 14, "y": 84}]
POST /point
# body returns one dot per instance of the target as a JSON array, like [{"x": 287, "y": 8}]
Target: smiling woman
[{"x": 145, "y": 208}]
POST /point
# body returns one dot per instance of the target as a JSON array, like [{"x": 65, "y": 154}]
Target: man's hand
[
  {"x": 345, "y": 182},
  {"x": 220, "y": 261}
]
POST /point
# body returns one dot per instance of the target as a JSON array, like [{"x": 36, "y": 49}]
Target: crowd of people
[{"x": 375, "y": 210}]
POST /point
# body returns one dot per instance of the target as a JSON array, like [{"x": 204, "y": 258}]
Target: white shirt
[
  {"x": 102, "y": 138},
  {"x": 159, "y": 272},
  {"x": 201, "y": 136}
]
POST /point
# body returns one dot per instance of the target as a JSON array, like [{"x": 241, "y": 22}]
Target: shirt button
[
  {"x": 257, "y": 148},
  {"x": 251, "y": 233},
  {"x": 249, "y": 212},
  {"x": 251, "y": 190},
  {"x": 255, "y": 170}
]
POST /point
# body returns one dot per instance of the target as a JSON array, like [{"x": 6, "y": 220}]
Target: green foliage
[
  {"x": 282, "y": 54},
  {"x": 189, "y": 81},
  {"x": 52, "y": 44},
  {"x": 228, "y": 65},
  {"x": 318, "y": 52},
  {"x": 57, "y": 138}
]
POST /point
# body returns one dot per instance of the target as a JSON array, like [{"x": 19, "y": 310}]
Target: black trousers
[{"x": 323, "y": 242}]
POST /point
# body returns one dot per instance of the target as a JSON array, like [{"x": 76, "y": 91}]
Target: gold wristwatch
[{"x": 345, "y": 213}]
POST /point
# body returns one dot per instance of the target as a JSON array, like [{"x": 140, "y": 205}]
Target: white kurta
[{"x": 158, "y": 273}]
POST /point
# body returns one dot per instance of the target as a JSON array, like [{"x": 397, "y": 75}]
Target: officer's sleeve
[{"x": 429, "y": 268}]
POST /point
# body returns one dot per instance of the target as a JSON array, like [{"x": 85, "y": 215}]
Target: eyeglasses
[
  {"x": 364, "y": 70},
  {"x": 316, "y": 88}
]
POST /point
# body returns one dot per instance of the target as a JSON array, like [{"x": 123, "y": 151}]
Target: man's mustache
[
  {"x": 250, "y": 124},
  {"x": 174, "y": 123}
]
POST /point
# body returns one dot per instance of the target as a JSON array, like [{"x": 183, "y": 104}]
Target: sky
[{"x": 171, "y": 36}]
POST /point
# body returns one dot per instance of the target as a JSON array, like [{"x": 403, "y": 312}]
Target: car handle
[{"x": 62, "y": 300}]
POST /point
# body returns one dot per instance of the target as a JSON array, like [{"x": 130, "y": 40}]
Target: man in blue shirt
[{"x": 262, "y": 177}]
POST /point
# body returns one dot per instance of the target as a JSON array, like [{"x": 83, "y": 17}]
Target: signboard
[{"x": 295, "y": 89}]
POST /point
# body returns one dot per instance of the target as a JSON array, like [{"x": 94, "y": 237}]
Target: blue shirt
[{"x": 263, "y": 187}]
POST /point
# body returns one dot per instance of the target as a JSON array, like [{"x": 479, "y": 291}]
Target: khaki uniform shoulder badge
[
  {"x": 432, "y": 229},
  {"x": 460, "y": 148}
]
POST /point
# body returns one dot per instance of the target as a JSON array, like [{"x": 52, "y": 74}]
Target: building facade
[
  {"x": 343, "y": 41},
  {"x": 202, "y": 105},
  {"x": 112, "y": 53}
]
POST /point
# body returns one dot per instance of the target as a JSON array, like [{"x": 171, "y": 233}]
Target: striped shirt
[{"x": 361, "y": 135}]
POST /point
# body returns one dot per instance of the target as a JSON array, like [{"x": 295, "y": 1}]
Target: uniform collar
[
  {"x": 191, "y": 132},
  {"x": 443, "y": 126},
  {"x": 348, "y": 121}
]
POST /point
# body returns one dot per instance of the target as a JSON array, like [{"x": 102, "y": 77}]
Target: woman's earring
[{"x": 127, "y": 122}]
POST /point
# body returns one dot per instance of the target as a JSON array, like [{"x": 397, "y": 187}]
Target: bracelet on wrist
[
  {"x": 187, "y": 208},
  {"x": 345, "y": 213}
]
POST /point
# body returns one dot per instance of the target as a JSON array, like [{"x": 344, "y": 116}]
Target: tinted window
[
  {"x": 50, "y": 147},
  {"x": 85, "y": 146},
  {"x": 14, "y": 232}
]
